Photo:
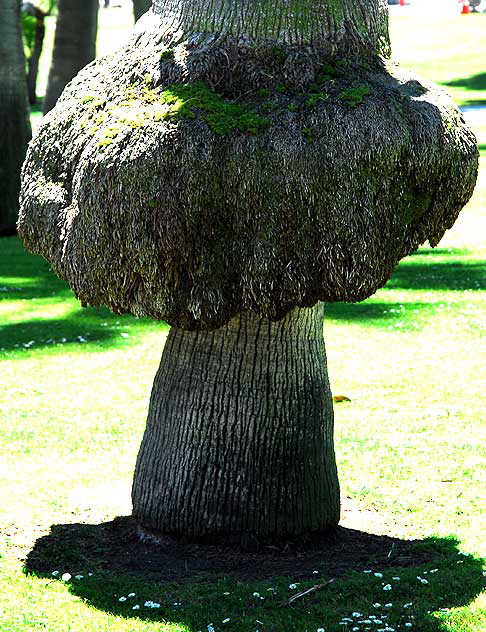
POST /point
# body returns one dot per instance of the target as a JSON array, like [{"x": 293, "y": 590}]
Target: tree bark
[
  {"x": 140, "y": 7},
  {"x": 74, "y": 45},
  {"x": 239, "y": 438},
  {"x": 341, "y": 26},
  {"x": 15, "y": 129}
]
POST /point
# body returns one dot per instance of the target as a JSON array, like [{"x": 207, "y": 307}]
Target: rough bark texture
[
  {"x": 337, "y": 26},
  {"x": 239, "y": 438},
  {"x": 140, "y": 7},
  {"x": 74, "y": 45},
  {"x": 170, "y": 219},
  {"x": 14, "y": 119}
]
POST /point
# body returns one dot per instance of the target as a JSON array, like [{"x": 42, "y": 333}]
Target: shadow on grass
[
  {"x": 473, "y": 82},
  {"x": 91, "y": 326},
  {"x": 200, "y": 585},
  {"x": 438, "y": 275}
]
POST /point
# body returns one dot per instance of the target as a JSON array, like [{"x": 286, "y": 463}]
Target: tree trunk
[
  {"x": 344, "y": 27},
  {"x": 140, "y": 7},
  {"x": 74, "y": 45},
  {"x": 239, "y": 438},
  {"x": 33, "y": 60},
  {"x": 15, "y": 130}
]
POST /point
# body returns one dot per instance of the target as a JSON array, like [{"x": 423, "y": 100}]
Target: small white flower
[
  {"x": 422, "y": 580},
  {"x": 90, "y": 574},
  {"x": 388, "y": 605},
  {"x": 366, "y": 621},
  {"x": 292, "y": 586},
  {"x": 355, "y": 629},
  {"x": 149, "y": 604},
  {"x": 255, "y": 594},
  {"x": 122, "y": 599},
  {"x": 320, "y": 630},
  {"x": 433, "y": 570},
  {"x": 155, "y": 605},
  {"x": 367, "y": 571},
  {"x": 66, "y": 577},
  {"x": 408, "y": 625},
  {"x": 136, "y": 607},
  {"x": 357, "y": 614},
  {"x": 55, "y": 573},
  {"x": 226, "y": 593},
  {"x": 315, "y": 572},
  {"x": 387, "y": 587},
  {"x": 460, "y": 561},
  {"x": 131, "y": 594},
  {"x": 377, "y": 605},
  {"x": 124, "y": 335},
  {"x": 378, "y": 621},
  {"x": 210, "y": 628},
  {"x": 78, "y": 576},
  {"x": 378, "y": 574},
  {"x": 227, "y": 620},
  {"x": 407, "y": 605},
  {"x": 396, "y": 578}
]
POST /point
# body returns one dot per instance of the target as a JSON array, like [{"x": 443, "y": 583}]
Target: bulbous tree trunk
[
  {"x": 140, "y": 7},
  {"x": 74, "y": 45},
  {"x": 15, "y": 130},
  {"x": 239, "y": 438}
]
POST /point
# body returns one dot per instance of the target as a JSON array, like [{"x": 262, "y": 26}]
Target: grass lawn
[{"x": 410, "y": 446}]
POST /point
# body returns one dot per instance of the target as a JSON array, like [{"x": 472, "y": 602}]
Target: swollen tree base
[{"x": 239, "y": 437}]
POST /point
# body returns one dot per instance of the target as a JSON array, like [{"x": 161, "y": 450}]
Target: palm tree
[
  {"x": 74, "y": 45},
  {"x": 15, "y": 129},
  {"x": 237, "y": 163}
]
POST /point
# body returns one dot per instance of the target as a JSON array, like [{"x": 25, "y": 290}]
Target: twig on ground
[{"x": 310, "y": 590}]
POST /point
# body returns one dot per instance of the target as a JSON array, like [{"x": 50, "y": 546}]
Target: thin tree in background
[
  {"x": 34, "y": 29},
  {"x": 140, "y": 7},
  {"x": 15, "y": 129},
  {"x": 74, "y": 45}
]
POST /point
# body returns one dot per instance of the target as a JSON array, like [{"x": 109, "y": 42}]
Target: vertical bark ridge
[
  {"x": 360, "y": 24},
  {"x": 239, "y": 432}
]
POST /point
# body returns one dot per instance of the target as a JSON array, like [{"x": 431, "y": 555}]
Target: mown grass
[{"x": 410, "y": 447}]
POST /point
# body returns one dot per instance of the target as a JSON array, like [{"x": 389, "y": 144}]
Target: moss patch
[
  {"x": 354, "y": 96},
  {"x": 141, "y": 106}
]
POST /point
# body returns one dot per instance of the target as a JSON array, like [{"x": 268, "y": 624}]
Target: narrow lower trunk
[
  {"x": 140, "y": 7},
  {"x": 14, "y": 115},
  {"x": 74, "y": 45},
  {"x": 239, "y": 437}
]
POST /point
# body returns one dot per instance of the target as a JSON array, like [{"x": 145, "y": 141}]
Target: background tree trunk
[
  {"x": 36, "y": 51},
  {"x": 74, "y": 45},
  {"x": 140, "y": 7},
  {"x": 239, "y": 438},
  {"x": 15, "y": 130}
]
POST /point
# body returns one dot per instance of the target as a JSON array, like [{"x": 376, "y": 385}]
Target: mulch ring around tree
[{"x": 116, "y": 547}]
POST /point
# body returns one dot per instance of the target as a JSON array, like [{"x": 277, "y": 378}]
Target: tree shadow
[
  {"x": 438, "y": 275},
  {"x": 93, "y": 326},
  {"x": 473, "y": 82},
  {"x": 197, "y": 585}
]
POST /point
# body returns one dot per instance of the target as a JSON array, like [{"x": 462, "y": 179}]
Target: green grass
[
  {"x": 410, "y": 444},
  {"x": 448, "y": 50}
]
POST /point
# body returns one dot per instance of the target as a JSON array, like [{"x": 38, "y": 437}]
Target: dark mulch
[{"x": 116, "y": 547}]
